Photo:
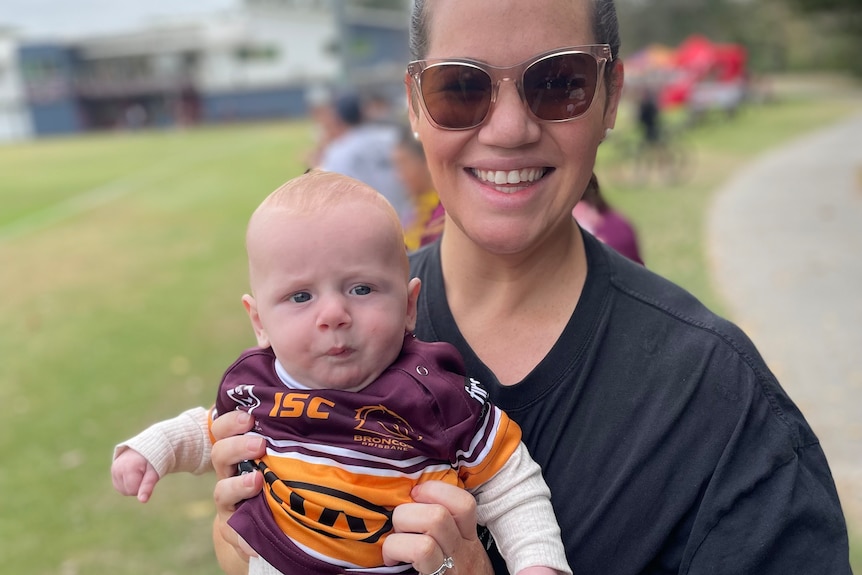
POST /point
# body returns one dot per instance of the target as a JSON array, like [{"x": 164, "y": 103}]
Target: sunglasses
[{"x": 556, "y": 86}]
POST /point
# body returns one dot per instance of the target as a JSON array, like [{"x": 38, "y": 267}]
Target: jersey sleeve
[
  {"x": 494, "y": 440},
  {"x": 480, "y": 435}
]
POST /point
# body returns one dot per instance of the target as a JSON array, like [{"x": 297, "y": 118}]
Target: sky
[{"x": 61, "y": 18}]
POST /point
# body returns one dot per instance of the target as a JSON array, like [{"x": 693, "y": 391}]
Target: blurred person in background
[
  {"x": 649, "y": 116},
  {"x": 377, "y": 108},
  {"x": 595, "y": 215},
  {"x": 653, "y": 145},
  {"x": 363, "y": 150},
  {"x": 428, "y": 217},
  {"x": 324, "y": 122}
]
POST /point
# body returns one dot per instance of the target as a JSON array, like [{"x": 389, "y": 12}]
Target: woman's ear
[
  {"x": 615, "y": 92},
  {"x": 250, "y": 306},
  {"x": 412, "y": 101}
]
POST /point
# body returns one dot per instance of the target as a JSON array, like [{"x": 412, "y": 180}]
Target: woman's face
[{"x": 546, "y": 165}]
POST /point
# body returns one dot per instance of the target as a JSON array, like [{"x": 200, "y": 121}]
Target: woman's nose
[{"x": 509, "y": 125}]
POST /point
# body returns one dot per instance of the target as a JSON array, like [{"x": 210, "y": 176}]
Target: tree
[
  {"x": 842, "y": 19},
  {"x": 777, "y": 34}
]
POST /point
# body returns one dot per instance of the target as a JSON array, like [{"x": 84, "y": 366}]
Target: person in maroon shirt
[{"x": 597, "y": 216}]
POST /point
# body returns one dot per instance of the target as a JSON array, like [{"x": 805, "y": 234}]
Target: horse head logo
[{"x": 378, "y": 420}]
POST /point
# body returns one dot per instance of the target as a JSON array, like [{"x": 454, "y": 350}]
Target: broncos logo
[
  {"x": 378, "y": 420},
  {"x": 244, "y": 397}
]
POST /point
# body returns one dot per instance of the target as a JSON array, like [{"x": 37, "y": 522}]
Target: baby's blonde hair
[{"x": 316, "y": 191}]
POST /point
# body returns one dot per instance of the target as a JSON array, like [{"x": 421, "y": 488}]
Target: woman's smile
[{"x": 510, "y": 177}]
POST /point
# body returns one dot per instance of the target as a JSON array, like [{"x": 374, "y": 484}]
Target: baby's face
[{"x": 332, "y": 295}]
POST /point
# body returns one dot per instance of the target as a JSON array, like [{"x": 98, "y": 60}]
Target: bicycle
[{"x": 635, "y": 162}]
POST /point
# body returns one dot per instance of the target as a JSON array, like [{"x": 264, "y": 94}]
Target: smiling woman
[{"x": 655, "y": 421}]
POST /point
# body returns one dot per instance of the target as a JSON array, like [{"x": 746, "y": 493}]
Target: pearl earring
[{"x": 416, "y": 136}]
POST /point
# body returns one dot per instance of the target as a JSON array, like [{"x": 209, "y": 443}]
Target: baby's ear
[
  {"x": 250, "y": 306},
  {"x": 412, "y": 303}
]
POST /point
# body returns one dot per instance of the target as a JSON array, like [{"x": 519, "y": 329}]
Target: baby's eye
[
  {"x": 361, "y": 290},
  {"x": 300, "y": 297}
]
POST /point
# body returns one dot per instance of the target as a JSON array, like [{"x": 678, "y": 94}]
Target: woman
[{"x": 667, "y": 444}]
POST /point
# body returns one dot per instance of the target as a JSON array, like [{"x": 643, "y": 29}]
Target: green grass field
[{"x": 123, "y": 266}]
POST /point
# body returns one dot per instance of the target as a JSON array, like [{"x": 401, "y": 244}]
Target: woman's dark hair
[
  {"x": 606, "y": 29},
  {"x": 593, "y": 196}
]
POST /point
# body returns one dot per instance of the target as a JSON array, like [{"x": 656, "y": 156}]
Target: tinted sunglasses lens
[
  {"x": 561, "y": 87},
  {"x": 456, "y": 95}
]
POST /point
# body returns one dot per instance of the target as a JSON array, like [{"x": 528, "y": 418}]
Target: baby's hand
[{"x": 132, "y": 474}]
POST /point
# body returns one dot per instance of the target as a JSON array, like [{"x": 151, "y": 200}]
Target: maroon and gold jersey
[{"x": 338, "y": 462}]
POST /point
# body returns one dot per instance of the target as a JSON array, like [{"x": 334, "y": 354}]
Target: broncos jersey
[{"x": 338, "y": 462}]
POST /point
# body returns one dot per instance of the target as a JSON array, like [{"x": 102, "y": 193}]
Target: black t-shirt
[{"x": 668, "y": 445}]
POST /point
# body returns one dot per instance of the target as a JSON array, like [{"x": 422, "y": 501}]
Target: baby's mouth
[{"x": 338, "y": 351}]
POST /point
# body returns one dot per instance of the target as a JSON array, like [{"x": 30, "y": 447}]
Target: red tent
[
  {"x": 696, "y": 54},
  {"x": 698, "y": 60}
]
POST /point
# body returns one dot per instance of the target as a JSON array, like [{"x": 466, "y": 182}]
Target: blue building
[{"x": 258, "y": 63}]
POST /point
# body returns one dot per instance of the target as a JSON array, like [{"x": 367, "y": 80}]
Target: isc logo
[{"x": 298, "y": 404}]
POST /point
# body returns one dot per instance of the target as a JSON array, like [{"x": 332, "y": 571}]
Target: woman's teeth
[{"x": 526, "y": 175}]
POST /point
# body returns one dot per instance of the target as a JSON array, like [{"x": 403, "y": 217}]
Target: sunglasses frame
[{"x": 601, "y": 53}]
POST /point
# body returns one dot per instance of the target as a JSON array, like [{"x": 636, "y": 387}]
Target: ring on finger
[{"x": 448, "y": 563}]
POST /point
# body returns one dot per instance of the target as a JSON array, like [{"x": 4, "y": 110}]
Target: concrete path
[{"x": 785, "y": 238}]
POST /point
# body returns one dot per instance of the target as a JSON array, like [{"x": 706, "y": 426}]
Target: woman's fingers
[
  {"x": 227, "y": 495},
  {"x": 458, "y": 502},
  {"x": 426, "y": 555},
  {"x": 232, "y": 423},
  {"x": 231, "y": 490},
  {"x": 421, "y": 551},
  {"x": 228, "y": 451},
  {"x": 440, "y": 525},
  {"x": 231, "y": 447}
]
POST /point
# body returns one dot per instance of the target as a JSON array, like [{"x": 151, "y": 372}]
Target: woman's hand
[
  {"x": 441, "y": 523},
  {"x": 230, "y": 448}
]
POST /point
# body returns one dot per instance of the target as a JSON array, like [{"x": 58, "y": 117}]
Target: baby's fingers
[{"x": 148, "y": 483}]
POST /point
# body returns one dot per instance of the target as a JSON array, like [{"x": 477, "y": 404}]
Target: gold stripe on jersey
[
  {"x": 502, "y": 444},
  {"x": 346, "y": 515}
]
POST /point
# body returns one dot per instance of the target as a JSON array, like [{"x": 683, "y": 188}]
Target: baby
[{"x": 354, "y": 409}]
